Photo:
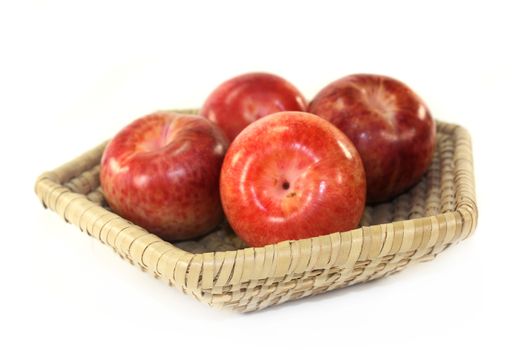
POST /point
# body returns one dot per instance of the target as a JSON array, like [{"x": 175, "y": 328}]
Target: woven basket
[{"x": 220, "y": 271}]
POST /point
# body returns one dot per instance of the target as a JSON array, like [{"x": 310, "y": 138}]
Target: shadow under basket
[{"x": 220, "y": 271}]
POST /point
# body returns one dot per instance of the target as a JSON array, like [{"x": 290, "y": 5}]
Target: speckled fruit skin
[
  {"x": 389, "y": 124},
  {"x": 237, "y": 102},
  {"x": 162, "y": 173},
  {"x": 291, "y": 175}
]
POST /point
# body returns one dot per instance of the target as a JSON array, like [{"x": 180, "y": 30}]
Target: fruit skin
[
  {"x": 291, "y": 175},
  {"x": 162, "y": 172},
  {"x": 237, "y": 102},
  {"x": 389, "y": 124}
]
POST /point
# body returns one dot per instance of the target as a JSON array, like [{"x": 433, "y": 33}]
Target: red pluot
[
  {"x": 389, "y": 124},
  {"x": 291, "y": 175},
  {"x": 237, "y": 102},
  {"x": 162, "y": 173}
]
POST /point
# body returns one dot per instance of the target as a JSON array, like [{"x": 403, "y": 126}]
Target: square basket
[{"x": 220, "y": 271}]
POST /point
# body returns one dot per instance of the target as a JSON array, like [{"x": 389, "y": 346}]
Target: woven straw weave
[{"x": 220, "y": 271}]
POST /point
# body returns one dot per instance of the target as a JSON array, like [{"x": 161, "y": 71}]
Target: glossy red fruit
[
  {"x": 291, "y": 175},
  {"x": 389, "y": 124},
  {"x": 236, "y": 103},
  {"x": 162, "y": 173}
]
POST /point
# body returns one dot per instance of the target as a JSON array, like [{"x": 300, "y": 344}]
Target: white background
[{"x": 73, "y": 74}]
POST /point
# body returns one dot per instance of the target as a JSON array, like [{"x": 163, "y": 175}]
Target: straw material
[{"x": 220, "y": 271}]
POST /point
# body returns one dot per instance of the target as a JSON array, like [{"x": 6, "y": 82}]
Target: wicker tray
[{"x": 220, "y": 271}]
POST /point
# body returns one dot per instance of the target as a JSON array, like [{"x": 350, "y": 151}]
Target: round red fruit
[
  {"x": 237, "y": 102},
  {"x": 162, "y": 173},
  {"x": 291, "y": 175},
  {"x": 389, "y": 124}
]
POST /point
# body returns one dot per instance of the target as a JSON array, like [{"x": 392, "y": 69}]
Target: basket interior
[{"x": 434, "y": 194}]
